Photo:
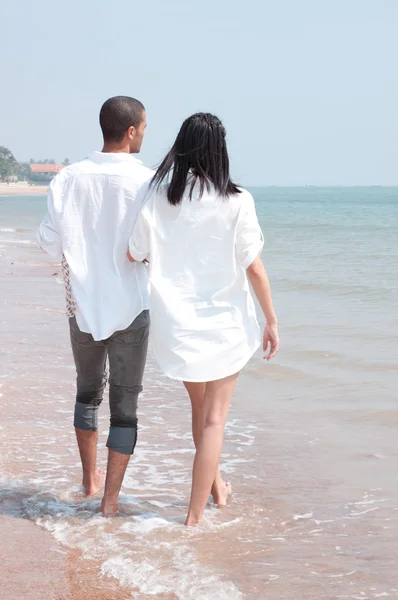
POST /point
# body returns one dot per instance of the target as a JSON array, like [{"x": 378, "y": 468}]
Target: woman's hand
[
  {"x": 271, "y": 340},
  {"x": 259, "y": 279}
]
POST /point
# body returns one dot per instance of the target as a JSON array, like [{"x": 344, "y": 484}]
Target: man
[{"x": 92, "y": 208}]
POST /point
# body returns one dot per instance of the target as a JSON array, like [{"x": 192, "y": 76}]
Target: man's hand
[{"x": 271, "y": 340}]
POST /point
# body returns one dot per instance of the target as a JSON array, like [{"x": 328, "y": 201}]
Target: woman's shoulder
[
  {"x": 243, "y": 193},
  {"x": 242, "y": 198}
]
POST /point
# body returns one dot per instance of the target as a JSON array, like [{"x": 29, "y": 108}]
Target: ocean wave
[
  {"x": 183, "y": 578},
  {"x": 13, "y": 230},
  {"x": 145, "y": 546},
  {"x": 18, "y": 242},
  {"x": 145, "y": 551},
  {"x": 347, "y": 289}
]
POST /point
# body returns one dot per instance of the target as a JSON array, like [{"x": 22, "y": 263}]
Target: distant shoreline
[{"x": 22, "y": 189}]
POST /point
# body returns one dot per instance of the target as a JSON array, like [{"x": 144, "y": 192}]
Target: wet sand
[{"x": 33, "y": 566}]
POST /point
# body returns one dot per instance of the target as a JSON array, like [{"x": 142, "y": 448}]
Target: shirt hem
[
  {"x": 252, "y": 256},
  {"x": 85, "y": 328},
  {"x": 228, "y": 372}
]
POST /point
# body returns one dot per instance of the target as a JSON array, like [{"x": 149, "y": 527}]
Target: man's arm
[
  {"x": 48, "y": 235},
  {"x": 139, "y": 250},
  {"x": 131, "y": 259}
]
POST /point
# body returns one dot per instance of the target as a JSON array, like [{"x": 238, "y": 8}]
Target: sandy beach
[
  {"x": 18, "y": 189},
  {"x": 35, "y": 567}
]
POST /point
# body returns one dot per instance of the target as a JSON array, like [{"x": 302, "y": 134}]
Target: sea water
[{"x": 310, "y": 445}]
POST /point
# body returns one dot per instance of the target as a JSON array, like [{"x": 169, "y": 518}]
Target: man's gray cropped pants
[{"x": 126, "y": 351}]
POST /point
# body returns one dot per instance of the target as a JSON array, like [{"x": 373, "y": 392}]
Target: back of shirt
[
  {"x": 203, "y": 319},
  {"x": 92, "y": 209},
  {"x": 198, "y": 252}
]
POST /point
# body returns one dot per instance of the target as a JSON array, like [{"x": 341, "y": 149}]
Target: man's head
[{"x": 123, "y": 122}]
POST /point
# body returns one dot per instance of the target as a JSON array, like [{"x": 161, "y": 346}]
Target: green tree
[
  {"x": 8, "y": 164},
  {"x": 6, "y": 154},
  {"x": 66, "y": 162},
  {"x": 24, "y": 171}
]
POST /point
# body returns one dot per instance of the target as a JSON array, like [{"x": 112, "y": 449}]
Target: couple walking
[{"x": 189, "y": 236}]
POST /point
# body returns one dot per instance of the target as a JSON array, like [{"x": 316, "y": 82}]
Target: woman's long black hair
[{"x": 200, "y": 149}]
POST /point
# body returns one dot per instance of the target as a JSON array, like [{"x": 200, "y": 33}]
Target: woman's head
[{"x": 200, "y": 148}]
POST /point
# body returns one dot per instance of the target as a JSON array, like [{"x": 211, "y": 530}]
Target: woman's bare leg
[
  {"x": 219, "y": 490},
  {"x": 217, "y": 398}
]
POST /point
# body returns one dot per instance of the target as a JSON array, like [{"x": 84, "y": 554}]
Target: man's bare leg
[
  {"x": 127, "y": 352},
  {"x": 92, "y": 477},
  {"x": 117, "y": 465},
  {"x": 220, "y": 489},
  {"x": 90, "y": 360}
]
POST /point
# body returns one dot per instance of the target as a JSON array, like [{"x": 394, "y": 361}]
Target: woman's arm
[{"x": 259, "y": 279}]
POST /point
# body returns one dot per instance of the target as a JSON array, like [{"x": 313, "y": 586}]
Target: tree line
[{"x": 11, "y": 169}]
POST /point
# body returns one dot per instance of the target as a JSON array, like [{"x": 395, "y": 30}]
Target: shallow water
[{"x": 310, "y": 444}]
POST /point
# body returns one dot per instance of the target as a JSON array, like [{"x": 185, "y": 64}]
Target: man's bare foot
[
  {"x": 221, "y": 492},
  {"x": 94, "y": 484},
  {"x": 108, "y": 507}
]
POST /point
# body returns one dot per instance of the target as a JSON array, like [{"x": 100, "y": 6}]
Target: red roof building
[{"x": 44, "y": 168}]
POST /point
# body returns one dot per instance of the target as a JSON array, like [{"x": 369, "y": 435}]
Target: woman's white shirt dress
[{"x": 203, "y": 319}]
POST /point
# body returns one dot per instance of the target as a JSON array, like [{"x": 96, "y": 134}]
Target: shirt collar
[{"x": 114, "y": 157}]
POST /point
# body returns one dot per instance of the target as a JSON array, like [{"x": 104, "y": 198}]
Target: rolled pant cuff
[
  {"x": 86, "y": 417},
  {"x": 122, "y": 439}
]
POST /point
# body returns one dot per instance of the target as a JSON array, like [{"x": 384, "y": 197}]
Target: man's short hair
[{"x": 117, "y": 115}]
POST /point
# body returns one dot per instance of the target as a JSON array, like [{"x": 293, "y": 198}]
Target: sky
[{"x": 307, "y": 89}]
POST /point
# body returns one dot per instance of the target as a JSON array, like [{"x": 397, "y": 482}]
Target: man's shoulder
[
  {"x": 141, "y": 171},
  {"x": 132, "y": 169},
  {"x": 80, "y": 166}
]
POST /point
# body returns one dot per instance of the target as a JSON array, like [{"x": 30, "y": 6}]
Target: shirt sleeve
[
  {"x": 139, "y": 244},
  {"x": 249, "y": 238},
  {"x": 48, "y": 235}
]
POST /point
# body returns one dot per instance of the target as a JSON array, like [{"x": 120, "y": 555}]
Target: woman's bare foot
[
  {"x": 191, "y": 521},
  {"x": 220, "y": 492},
  {"x": 94, "y": 483},
  {"x": 108, "y": 507}
]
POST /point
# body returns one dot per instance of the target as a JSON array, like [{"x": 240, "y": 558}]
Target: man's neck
[{"x": 114, "y": 148}]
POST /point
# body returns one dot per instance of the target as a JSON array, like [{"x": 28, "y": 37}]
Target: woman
[{"x": 201, "y": 236}]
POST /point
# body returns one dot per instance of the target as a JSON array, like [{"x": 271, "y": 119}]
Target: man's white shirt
[{"x": 92, "y": 209}]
